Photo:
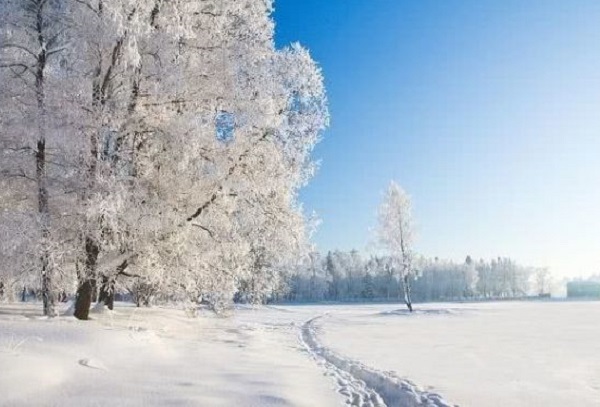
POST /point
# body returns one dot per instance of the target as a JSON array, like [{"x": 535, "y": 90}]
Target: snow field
[
  {"x": 517, "y": 354},
  {"x": 156, "y": 357},
  {"x": 364, "y": 386},
  {"x": 480, "y": 354}
]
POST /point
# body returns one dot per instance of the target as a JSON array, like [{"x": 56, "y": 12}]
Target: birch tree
[{"x": 396, "y": 233}]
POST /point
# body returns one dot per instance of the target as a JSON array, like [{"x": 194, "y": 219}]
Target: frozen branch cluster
[{"x": 155, "y": 145}]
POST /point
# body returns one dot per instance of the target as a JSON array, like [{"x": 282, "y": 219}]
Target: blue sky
[{"x": 486, "y": 112}]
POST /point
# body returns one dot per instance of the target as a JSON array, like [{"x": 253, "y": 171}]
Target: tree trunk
[
  {"x": 407, "y": 293},
  {"x": 107, "y": 288},
  {"x": 85, "y": 291},
  {"x": 40, "y": 165},
  {"x": 94, "y": 281},
  {"x": 137, "y": 299},
  {"x": 107, "y": 292},
  {"x": 83, "y": 301}
]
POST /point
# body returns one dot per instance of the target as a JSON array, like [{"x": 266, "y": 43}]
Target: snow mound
[
  {"x": 70, "y": 310},
  {"x": 100, "y": 308},
  {"x": 364, "y": 386}
]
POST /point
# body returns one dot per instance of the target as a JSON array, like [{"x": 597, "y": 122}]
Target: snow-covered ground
[
  {"x": 486, "y": 355},
  {"x": 157, "y": 357},
  {"x": 492, "y": 354}
]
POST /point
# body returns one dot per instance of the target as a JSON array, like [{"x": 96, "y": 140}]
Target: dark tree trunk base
[
  {"x": 87, "y": 283},
  {"x": 83, "y": 301},
  {"x": 107, "y": 293}
]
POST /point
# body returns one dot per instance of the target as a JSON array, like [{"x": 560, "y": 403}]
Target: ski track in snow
[{"x": 363, "y": 386}]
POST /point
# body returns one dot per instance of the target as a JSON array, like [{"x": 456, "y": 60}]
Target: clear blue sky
[{"x": 486, "y": 112}]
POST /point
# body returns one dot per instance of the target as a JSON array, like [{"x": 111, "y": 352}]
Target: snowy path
[{"x": 364, "y": 386}]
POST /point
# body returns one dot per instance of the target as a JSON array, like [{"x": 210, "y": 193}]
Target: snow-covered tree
[
  {"x": 396, "y": 233},
  {"x": 543, "y": 280},
  {"x": 217, "y": 117},
  {"x": 184, "y": 135},
  {"x": 33, "y": 40},
  {"x": 469, "y": 280}
]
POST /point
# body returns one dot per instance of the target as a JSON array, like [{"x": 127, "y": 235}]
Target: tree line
[{"x": 348, "y": 276}]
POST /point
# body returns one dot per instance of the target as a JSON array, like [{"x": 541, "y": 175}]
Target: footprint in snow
[{"x": 92, "y": 363}]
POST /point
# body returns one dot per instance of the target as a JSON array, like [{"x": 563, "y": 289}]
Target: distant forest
[{"x": 347, "y": 276}]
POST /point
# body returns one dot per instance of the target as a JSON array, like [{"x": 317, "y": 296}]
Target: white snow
[
  {"x": 157, "y": 357},
  {"x": 364, "y": 386},
  {"x": 482, "y": 354},
  {"x": 485, "y": 354}
]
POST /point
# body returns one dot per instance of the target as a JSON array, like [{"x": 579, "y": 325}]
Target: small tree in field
[
  {"x": 396, "y": 233},
  {"x": 543, "y": 281}
]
